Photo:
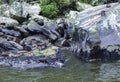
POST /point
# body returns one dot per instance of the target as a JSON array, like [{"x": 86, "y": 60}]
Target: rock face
[
  {"x": 50, "y": 32},
  {"x": 9, "y": 46},
  {"x": 4, "y": 8},
  {"x": 29, "y": 45},
  {"x": 97, "y": 36},
  {"x": 21, "y": 10},
  {"x": 82, "y": 6},
  {"x": 8, "y": 22},
  {"x": 34, "y": 27},
  {"x": 35, "y": 41},
  {"x": 28, "y": 62}
]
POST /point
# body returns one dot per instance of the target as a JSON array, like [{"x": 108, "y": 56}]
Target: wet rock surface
[
  {"x": 97, "y": 36},
  {"x": 32, "y": 43},
  {"x": 27, "y": 62}
]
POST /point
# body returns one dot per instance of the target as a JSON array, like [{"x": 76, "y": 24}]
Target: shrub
[
  {"x": 50, "y": 10},
  {"x": 44, "y": 2},
  {"x": 63, "y": 2}
]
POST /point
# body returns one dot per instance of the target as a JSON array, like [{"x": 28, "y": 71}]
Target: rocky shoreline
[{"x": 32, "y": 41}]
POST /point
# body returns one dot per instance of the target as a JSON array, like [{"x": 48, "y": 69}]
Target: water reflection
[
  {"x": 109, "y": 72},
  {"x": 74, "y": 71}
]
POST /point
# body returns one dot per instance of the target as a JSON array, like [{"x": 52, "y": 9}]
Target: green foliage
[
  {"x": 44, "y": 2},
  {"x": 98, "y": 2},
  {"x": 50, "y": 10},
  {"x": 63, "y": 2},
  {"x": 1, "y": 1}
]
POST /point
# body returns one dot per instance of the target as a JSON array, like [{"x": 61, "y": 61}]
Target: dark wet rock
[
  {"x": 28, "y": 62},
  {"x": 10, "y": 32},
  {"x": 61, "y": 26},
  {"x": 62, "y": 42},
  {"x": 33, "y": 42},
  {"x": 34, "y": 27},
  {"x": 16, "y": 45},
  {"x": 69, "y": 31},
  {"x": 6, "y": 46},
  {"x": 64, "y": 28},
  {"x": 10, "y": 45},
  {"x": 50, "y": 32},
  {"x": 23, "y": 30},
  {"x": 39, "y": 24},
  {"x": 28, "y": 47},
  {"x": 60, "y": 55}
]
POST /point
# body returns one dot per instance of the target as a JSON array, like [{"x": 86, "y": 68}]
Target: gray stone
[
  {"x": 34, "y": 27},
  {"x": 51, "y": 34},
  {"x": 22, "y": 30},
  {"x": 10, "y": 45},
  {"x": 20, "y": 11},
  {"x": 97, "y": 34},
  {"x": 82, "y": 6},
  {"x": 34, "y": 42},
  {"x": 8, "y": 22},
  {"x": 5, "y": 8}
]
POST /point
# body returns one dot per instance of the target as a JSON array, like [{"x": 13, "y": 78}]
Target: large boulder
[
  {"x": 97, "y": 35},
  {"x": 21, "y": 10},
  {"x": 35, "y": 42}
]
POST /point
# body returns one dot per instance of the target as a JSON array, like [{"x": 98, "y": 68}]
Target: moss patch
[{"x": 45, "y": 52}]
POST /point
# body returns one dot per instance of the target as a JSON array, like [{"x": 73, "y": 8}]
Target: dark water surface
[{"x": 73, "y": 71}]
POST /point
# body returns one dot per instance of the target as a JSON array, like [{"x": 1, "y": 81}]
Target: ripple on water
[{"x": 109, "y": 72}]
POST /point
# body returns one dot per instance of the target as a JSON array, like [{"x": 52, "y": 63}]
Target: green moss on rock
[{"x": 38, "y": 52}]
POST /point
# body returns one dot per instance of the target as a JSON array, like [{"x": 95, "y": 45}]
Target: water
[{"x": 73, "y": 71}]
